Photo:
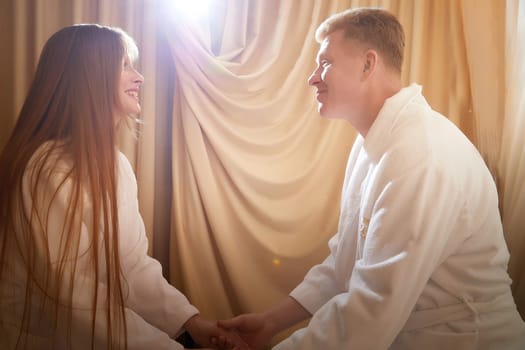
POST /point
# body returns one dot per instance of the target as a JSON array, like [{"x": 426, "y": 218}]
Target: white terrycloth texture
[
  {"x": 154, "y": 309},
  {"x": 419, "y": 229}
]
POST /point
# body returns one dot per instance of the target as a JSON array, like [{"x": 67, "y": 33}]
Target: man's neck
[{"x": 380, "y": 91}]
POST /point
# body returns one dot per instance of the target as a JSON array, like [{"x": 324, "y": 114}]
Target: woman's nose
[{"x": 138, "y": 78}]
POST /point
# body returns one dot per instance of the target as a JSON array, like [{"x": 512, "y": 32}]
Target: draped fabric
[
  {"x": 512, "y": 155},
  {"x": 256, "y": 171},
  {"x": 239, "y": 177}
]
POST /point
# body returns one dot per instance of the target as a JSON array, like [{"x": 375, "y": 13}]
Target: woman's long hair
[{"x": 70, "y": 110}]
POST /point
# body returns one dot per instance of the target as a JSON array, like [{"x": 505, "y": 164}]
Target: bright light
[{"x": 192, "y": 8}]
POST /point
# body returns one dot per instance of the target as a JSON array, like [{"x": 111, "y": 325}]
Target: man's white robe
[{"x": 419, "y": 260}]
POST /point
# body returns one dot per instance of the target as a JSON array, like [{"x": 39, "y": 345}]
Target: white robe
[
  {"x": 155, "y": 311},
  {"x": 419, "y": 230}
]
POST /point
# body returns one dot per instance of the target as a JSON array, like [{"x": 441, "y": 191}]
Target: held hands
[
  {"x": 254, "y": 328},
  {"x": 257, "y": 329},
  {"x": 203, "y": 331}
]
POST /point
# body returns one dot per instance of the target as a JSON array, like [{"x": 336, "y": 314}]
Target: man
[{"x": 419, "y": 260}]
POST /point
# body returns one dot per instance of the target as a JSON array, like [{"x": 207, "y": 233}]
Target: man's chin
[
  {"x": 321, "y": 109},
  {"x": 324, "y": 112}
]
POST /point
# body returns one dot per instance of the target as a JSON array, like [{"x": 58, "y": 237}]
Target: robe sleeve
[
  {"x": 165, "y": 306},
  {"x": 320, "y": 283}
]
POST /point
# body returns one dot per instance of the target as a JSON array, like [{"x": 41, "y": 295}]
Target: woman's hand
[{"x": 207, "y": 333}]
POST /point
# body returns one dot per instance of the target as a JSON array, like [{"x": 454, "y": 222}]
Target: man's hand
[
  {"x": 258, "y": 329},
  {"x": 203, "y": 331},
  {"x": 253, "y": 328}
]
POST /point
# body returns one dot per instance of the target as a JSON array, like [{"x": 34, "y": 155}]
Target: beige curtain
[
  {"x": 512, "y": 156},
  {"x": 239, "y": 177},
  {"x": 256, "y": 172}
]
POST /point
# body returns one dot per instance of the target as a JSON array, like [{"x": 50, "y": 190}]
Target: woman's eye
[{"x": 126, "y": 64}]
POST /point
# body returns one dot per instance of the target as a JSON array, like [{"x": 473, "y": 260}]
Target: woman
[{"x": 75, "y": 273}]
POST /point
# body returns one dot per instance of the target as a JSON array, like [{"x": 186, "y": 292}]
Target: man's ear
[{"x": 369, "y": 63}]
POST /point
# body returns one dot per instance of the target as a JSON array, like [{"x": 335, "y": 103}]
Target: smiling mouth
[
  {"x": 132, "y": 93},
  {"x": 319, "y": 93}
]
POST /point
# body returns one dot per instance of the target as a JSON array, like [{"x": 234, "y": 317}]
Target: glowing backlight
[{"x": 191, "y": 8}]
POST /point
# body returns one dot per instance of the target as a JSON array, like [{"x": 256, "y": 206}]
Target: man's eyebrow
[{"x": 323, "y": 57}]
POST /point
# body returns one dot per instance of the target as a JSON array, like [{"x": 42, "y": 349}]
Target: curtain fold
[
  {"x": 256, "y": 172},
  {"x": 512, "y": 156}
]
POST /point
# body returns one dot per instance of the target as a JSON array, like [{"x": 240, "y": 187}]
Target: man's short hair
[{"x": 370, "y": 26}]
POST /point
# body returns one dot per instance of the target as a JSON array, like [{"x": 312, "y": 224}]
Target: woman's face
[{"x": 129, "y": 88}]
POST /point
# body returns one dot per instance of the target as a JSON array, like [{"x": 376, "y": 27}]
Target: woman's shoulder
[
  {"x": 126, "y": 176},
  {"x": 48, "y": 175},
  {"x": 124, "y": 166},
  {"x": 50, "y": 160}
]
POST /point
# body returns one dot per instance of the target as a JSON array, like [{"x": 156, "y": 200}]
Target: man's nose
[{"x": 313, "y": 79}]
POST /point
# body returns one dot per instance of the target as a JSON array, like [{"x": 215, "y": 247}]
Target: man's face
[{"x": 338, "y": 77}]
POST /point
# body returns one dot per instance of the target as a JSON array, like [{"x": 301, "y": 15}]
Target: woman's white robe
[{"x": 155, "y": 311}]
